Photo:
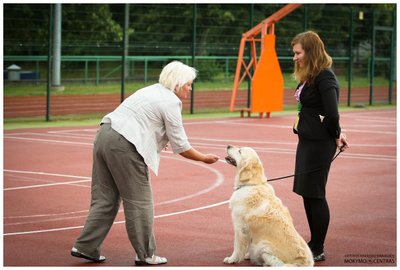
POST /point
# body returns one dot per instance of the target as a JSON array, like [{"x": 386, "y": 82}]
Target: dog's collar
[
  {"x": 250, "y": 185},
  {"x": 240, "y": 186}
]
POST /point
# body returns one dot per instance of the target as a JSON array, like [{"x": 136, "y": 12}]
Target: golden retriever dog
[{"x": 264, "y": 230}]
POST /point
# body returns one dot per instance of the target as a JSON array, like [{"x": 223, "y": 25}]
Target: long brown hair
[{"x": 315, "y": 60}]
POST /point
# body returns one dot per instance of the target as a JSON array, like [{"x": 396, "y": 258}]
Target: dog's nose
[{"x": 229, "y": 146}]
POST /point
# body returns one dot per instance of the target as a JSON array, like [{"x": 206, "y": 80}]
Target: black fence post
[
  {"x": 193, "y": 55},
  {"x": 125, "y": 45},
  {"x": 50, "y": 43}
]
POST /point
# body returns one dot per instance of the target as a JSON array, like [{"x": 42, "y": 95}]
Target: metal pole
[
  {"x": 193, "y": 55},
  {"x": 372, "y": 69},
  {"x": 86, "y": 71},
  {"x": 97, "y": 71},
  {"x": 49, "y": 45},
  {"x": 251, "y": 22},
  {"x": 56, "y": 75},
  {"x": 393, "y": 57},
  {"x": 146, "y": 66},
  {"x": 125, "y": 44},
  {"x": 37, "y": 70},
  {"x": 350, "y": 69}
]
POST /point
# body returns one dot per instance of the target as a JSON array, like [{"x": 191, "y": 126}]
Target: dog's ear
[
  {"x": 245, "y": 175},
  {"x": 251, "y": 170},
  {"x": 246, "y": 170}
]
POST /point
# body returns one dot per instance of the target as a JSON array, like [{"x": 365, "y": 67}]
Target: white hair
[{"x": 176, "y": 74}]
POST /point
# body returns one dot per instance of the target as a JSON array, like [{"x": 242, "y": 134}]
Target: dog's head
[{"x": 248, "y": 165}]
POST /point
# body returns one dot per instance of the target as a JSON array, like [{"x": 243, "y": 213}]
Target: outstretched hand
[
  {"x": 193, "y": 154},
  {"x": 210, "y": 158}
]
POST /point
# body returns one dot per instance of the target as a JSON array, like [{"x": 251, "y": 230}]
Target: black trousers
[{"x": 318, "y": 216}]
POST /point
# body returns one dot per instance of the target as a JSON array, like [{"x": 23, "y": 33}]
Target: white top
[{"x": 150, "y": 118}]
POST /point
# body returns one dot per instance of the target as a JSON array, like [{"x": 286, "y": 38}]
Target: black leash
[{"x": 310, "y": 171}]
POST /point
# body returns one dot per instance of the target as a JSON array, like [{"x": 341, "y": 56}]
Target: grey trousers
[{"x": 119, "y": 172}]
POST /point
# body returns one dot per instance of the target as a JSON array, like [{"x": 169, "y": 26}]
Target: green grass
[
  {"x": 24, "y": 89},
  {"x": 220, "y": 83},
  {"x": 56, "y": 121}
]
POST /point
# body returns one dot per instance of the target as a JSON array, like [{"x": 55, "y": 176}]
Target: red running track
[{"x": 47, "y": 192}]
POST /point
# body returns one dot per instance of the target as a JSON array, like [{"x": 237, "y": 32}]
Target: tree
[
  {"x": 25, "y": 29},
  {"x": 86, "y": 29},
  {"x": 90, "y": 29}
]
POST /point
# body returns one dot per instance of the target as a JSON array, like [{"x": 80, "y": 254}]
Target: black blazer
[{"x": 319, "y": 116}]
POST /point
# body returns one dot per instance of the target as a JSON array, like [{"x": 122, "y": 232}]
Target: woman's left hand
[{"x": 342, "y": 143}]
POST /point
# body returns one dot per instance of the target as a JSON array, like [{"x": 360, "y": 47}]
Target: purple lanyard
[{"x": 298, "y": 91}]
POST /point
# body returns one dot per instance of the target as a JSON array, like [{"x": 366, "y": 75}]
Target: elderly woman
[{"x": 129, "y": 141}]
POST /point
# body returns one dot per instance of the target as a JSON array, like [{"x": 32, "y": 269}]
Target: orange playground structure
[{"x": 265, "y": 74}]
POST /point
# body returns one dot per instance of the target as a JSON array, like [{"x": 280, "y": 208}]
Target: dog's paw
[
  {"x": 231, "y": 260},
  {"x": 247, "y": 256}
]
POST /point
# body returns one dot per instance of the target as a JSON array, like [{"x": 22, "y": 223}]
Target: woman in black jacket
[{"x": 318, "y": 130}]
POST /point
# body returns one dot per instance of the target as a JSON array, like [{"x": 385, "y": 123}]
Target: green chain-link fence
[{"x": 361, "y": 38}]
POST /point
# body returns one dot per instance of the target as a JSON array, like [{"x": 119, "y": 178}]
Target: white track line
[
  {"x": 121, "y": 222},
  {"x": 85, "y": 179},
  {"x": 46, "y": 185},
  {"x": 47, "y": 141},
  {"x": 219, "y": 181}
]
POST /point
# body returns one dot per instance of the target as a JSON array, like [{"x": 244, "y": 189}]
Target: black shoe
[
  {"x": 76, "y": 253},
  {"x": 319, "y": 258}
]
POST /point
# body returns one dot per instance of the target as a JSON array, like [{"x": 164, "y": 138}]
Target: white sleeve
[{"x": 174, "y": 128}]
